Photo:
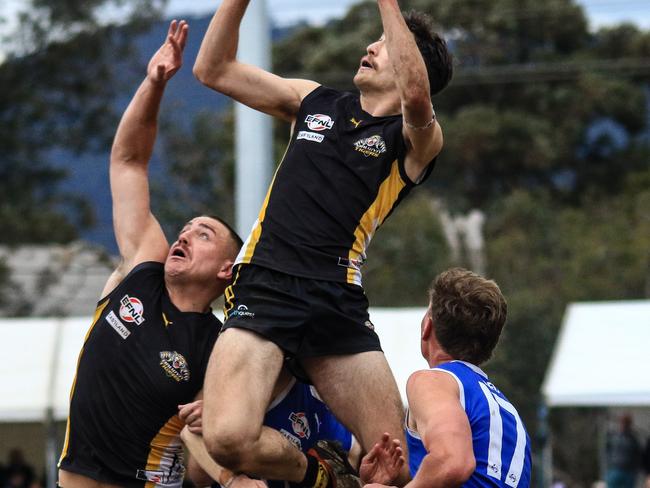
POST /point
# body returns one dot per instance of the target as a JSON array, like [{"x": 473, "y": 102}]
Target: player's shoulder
[
  {"x": 325, "y": 94},
  {"x": 428, "y": 379},
  {"x": 145, "y": 275}
]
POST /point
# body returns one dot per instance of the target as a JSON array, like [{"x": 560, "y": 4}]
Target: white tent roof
[
  {"x": 39, "y": 359},
  {"x": 602, "y": 356}
]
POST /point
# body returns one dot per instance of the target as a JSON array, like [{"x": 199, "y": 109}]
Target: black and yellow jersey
[
  {"x": 141, "y": 358},
  {"x": 341, "y": 177}
]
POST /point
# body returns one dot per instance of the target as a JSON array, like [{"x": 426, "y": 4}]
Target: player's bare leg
[
  {"x": 239, "y": 382},
  {"x": 68, "y": 479},
  {"x": 361, "y": 391}
]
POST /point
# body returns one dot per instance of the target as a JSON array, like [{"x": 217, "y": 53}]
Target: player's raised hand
[
  {"x": 383, "y": 462},
  {"x": 169, "y": 58}
]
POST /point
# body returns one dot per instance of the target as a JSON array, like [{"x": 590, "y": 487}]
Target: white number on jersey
[{"x": 495, "y": 404}]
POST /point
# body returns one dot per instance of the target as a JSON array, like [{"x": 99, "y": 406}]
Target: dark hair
[
  {"x": 468, "y": 313},
  {"x": 433, "y": 48},
  {"x": 237, "y": 241}
]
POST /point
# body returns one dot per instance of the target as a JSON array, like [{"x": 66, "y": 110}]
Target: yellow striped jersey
[
  {"x": 141, "y": 358},
  {"x": 341, "y": 176}
]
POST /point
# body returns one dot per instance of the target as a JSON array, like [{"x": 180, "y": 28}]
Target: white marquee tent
[
  {"x": 39, "y": 359},
  {"x": 601, "y": 357}
]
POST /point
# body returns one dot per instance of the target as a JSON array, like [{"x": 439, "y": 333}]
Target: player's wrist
[
  {"x": 422, "y": 127},
  {"x": 226, "y": 478}
]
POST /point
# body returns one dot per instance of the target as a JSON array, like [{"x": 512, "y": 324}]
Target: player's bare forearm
[
  {"x": 203, "y": 465},
  {"x": 136, "y": 133},
  {"x": 445, "y": 472},
  {"x": 410, "y": 70},
  {"x": 218, "y": 68},
  {"x": 218, "y": 49}
]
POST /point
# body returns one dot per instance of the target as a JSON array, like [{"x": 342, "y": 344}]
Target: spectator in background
[
  {"x": 18, "y": 474},
  {"x": 646, "y": 462},
  {"x": 623, "y": 454}
]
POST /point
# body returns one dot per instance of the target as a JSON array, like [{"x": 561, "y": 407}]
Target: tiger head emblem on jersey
[{"x": 175, "y": 365}]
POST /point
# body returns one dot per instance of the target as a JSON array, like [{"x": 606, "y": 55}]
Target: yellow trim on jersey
[
  {"x": 229, "y": 297},
  {"x": 166, "y": 436},
  {"x": 255, "y": 234},
  {"x": 375, "y": 215},
  {"x": 98, "y": 312}
]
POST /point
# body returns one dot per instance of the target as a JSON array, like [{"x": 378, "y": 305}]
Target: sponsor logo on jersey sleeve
[
  {"x": 241, "y": 311},
  {"x": 373, "y": 146},
  {"x": 175, "y": 365},
  {"x": 310, "y": 136},
  {"x": 117, "y": 324},
  {"x": 131, "y": 310},
  {"x": 319, "y": 122},
  {"x": 300, "y": 424}
]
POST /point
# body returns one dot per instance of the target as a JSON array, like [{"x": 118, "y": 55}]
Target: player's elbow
[
  {"x": 456, "y": 471},
  {"x": 202, "y": 71},
  {"x": 209, "y": 73},
  {"x": 447, "y": 468},
  {"x": 229, "y": 448}
]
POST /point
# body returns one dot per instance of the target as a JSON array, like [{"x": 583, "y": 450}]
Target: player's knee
[{"x": 230, "y": 448}]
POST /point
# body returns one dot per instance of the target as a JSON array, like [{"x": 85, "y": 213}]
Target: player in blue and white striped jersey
[
  {"x": 299, "y": 414},
  {"x": 461, "y": 430}
]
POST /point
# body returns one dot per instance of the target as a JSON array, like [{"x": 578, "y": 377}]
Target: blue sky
[
  {"x": 283, "y": 12},
  {"x": 600, "y": 12}
]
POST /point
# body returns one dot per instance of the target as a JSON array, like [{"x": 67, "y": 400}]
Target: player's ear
[
  {"x": 427, "y": 327},
  {"x": 225, "y": 270}
]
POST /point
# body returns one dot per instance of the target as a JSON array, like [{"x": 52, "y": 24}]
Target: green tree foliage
[
  {"x": 200, "y": 167},
  {"x": 407, "y": 252},
  {"x": 58, "y": 82},
  {"x": 546, "y": 131},
  {"x": 545, "y": 255}
]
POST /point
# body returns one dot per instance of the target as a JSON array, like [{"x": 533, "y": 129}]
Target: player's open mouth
[
  {"x": 366, "y": 64},
  {"x": 179, "y": 253}
]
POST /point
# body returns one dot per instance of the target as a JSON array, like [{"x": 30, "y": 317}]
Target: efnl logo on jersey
[
  {"x": 300, "y": 425},
  {"x": 318, "y": 123},
  {"x": 131, "y": 309},
  {"x": 371, "y": 146}
]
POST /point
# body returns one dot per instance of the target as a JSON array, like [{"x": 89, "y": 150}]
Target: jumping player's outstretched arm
[
  {"x": 421, "y": 130},
  {"x": 217, "y": 67},
  {"x": 138, "y": 233}
]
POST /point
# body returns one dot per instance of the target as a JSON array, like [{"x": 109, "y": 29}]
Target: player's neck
[
  {"x": 437, "y": 357},
  {"x": 380, "y": 104},
  {"x": 188, "y": 298}
]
